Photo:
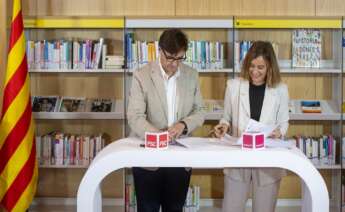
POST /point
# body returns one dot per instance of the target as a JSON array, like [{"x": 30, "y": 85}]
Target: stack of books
[
  {"x": 61, "y": 149},
  {"x": 320, "y": 150},
  {"x": 309, "y": 106},
  {"x": 113, "y": 62},
  {"x": 65, "y": 54}
]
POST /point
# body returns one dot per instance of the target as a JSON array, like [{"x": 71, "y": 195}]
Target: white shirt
[{"x": 171, "y": 94}]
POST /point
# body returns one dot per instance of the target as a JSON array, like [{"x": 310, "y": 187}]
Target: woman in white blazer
[{"x": 258, "y": 94}]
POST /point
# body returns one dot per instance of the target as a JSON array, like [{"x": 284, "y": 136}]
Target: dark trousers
[{"x": 166, "y": 187}]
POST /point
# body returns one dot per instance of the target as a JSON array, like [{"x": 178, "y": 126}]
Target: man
[{"x": 165, "y": 95}]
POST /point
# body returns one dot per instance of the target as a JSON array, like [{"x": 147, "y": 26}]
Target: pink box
[
  {"x": 156, "y": 140},
  {"x": 253, "y": 140}
]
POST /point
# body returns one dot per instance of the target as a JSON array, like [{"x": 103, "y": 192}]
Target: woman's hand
[
  {"x": 275, "y": 133},
  {"x": 220, "y": 130}
]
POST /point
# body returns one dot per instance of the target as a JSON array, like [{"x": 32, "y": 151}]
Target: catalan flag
[{"x": 18, "y": 166}]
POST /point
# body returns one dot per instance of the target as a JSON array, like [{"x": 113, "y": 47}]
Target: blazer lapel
[
  {"x": 181, "y": 85},
  {"x": 244, "y": 96},
  {"x": 268, "y": 104},
  {"x": 158, "y": 82}
]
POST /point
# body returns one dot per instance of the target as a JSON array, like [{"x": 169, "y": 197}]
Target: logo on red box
[
  {"x": 253, "y": 140},
  {"x": 156, "y": 140}
]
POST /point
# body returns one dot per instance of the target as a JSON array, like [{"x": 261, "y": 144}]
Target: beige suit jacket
[
  {"x": 275, "y": 111},
  {"x": 147, "y": 105}
]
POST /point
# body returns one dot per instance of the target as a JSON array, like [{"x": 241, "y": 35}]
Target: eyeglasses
[{"x": 171, "y": 59}]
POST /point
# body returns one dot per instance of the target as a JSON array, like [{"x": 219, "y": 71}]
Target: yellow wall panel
[
  {"x": 114, "y": 7},
  {"x": 74, "y": 7},
  {"x": 212, "y": 181},
  {"x": 277, "y": 8},
  {"x": 65, "y": 183},
  {"x": 330, "y": 7},
  {"x": 149, "y": 8},
  {"x": 207, "y": 7},
  {"x": 29, "y": 7}
]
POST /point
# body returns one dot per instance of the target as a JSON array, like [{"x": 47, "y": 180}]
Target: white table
[{"x": 127, "y": 153}]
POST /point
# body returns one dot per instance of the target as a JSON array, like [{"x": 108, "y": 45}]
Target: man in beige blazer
[{"x": 165, "y": 95}]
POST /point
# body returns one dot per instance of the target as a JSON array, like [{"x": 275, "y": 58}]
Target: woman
[{"x": 258, "y": 94}]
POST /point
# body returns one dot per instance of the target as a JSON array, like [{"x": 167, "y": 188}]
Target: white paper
[
  {"x": 197, "y": 142},
  {"x": 193, "y": 142},
  {"x": 255, "y": 126},
  {"x": 278, "y": 143}
]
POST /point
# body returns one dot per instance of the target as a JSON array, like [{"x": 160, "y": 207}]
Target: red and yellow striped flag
[{"x": 18, "y": 166}]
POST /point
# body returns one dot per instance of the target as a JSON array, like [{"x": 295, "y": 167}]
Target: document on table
[
  {"x": 197, "y": 142},
  {"x": 255, "y": 126}
]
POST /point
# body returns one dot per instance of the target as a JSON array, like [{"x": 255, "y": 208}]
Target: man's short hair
[{"x": 173, "y": 41}]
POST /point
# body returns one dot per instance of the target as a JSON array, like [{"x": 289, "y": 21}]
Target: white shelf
[
  {"x": 118, "y": 114},
  {"x": 76, "y": 70},
  {"x": 214, "y": 115},
  {"x": 81, "y": 115},
  {"x": 311, "y": 70},
  {"x": 64, "y": 166},
  {"x": 225, "y": 70},
  {"x": 306, "y": 71},
  {"x": 328, "y": 113},
  {"x": 328, "y": 109},
  {"x": 151, "y": 23},
  {"x": 336, "y": 166}
]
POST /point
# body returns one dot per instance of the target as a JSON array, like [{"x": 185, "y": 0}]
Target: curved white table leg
[
  {"x": 306, "y": 198},
  {"x": 98, "y": 200}
]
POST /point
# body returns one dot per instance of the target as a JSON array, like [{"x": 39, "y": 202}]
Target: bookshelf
[
  {"x": 325, "y": 82},
  {"x": 47, "y": 71},
  {"x": 88, "y": 82}
]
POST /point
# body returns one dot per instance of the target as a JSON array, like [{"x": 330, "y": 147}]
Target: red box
[
  {"x": 253, "y": 140},
  {"x": 156, "y": 140}
]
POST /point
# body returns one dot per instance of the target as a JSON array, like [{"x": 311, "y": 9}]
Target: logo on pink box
[
  {"x": 156, "y": 140},
  {"x": 253, "y": 140}
]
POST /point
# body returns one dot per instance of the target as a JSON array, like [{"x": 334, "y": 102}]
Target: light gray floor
[{"x": 120, "y": 209}]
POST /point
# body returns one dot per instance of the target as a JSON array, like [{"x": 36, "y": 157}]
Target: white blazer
[{"x": 275, "y": 111}]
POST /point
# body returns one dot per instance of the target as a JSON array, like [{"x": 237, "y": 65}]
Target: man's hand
[
  {"x": 176, "y": 130},
  {"x": 220, "y": 130}
]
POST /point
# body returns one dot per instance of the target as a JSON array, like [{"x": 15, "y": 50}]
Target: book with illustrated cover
[
  {"x": 306, "y": 48},
  {"x": 100, "y": 105},
  {"x": 45, "y": 103},
  {"x": 72, "y": 104},
  {"x": 311, "y": 106}
]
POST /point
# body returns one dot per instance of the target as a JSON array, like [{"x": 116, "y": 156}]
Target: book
[
  {"x": 311, "y": 106},
  {"x": 306, "y": 48},
  {"x": 292, "y": 107},
  {"x": 212, "y": 105},
  {"x": 45, "y": 103},
  {"x": 100, "y": 105},
  {"x": 72, "y": 104}
]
